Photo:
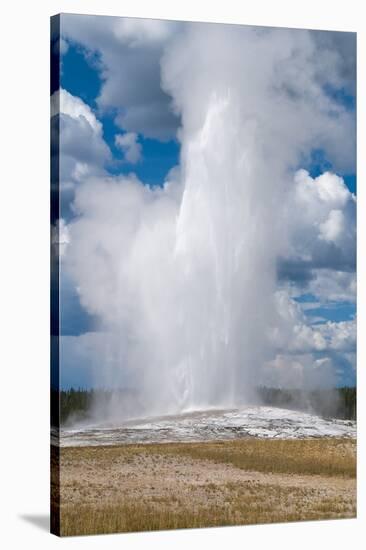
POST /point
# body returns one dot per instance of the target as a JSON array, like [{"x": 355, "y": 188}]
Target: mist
[{"x": 183, "y": 278}]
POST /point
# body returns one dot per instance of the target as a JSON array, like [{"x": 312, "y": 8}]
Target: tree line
[
  {"x": 335, "y": 403},
  {"x": 76, "y": 404}
]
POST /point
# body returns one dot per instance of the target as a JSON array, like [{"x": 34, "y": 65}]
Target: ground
[{"x": 170, "y": 486}]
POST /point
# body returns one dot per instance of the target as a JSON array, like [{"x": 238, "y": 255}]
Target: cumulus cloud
[
  {"x": 142, "y": 32},
  {"x": 184, "y": 278},
  {"x": 129, "y": 146},
  {"x": 334, "y": 226},
  {"x": 307, "y": 355},
  {"x": 82, "y": 150},
  {"x": 127, "y": 53},
  {"x": 340, "y": 47},
  {"x": 321, "y": 254},
  {"x": 63, "y": 102},
  {"x": 332, "y": 285},
  {"x": 293, "y": 333}
]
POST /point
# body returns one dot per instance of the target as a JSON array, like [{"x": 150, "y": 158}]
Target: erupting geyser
[{"x": 183, "y": 277}]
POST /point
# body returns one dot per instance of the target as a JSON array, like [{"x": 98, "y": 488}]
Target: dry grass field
[{"x": 171, "y": 486}]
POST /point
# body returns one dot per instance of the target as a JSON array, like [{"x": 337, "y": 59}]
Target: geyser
[{"x": 183, "y": 277}]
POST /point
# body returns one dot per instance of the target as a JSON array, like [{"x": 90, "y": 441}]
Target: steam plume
[{"x": 183, "y": 278}]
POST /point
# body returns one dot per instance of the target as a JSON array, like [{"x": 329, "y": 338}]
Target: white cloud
[
  {"x": 332, "y": 285},
  {"x": 128, "y": 52},
  {"x": 64, "y": 102},
  {"x": 82, "y": 149},
  {"x": 142, "y": 32},
  {"x": 295, "y": 64},
  {"x": 293, "y": 333},
  {"x": 309, "y": 355},
  {"x": 340, "y": 336},
  {"x": 63, "y": 46},
  {"x": 324, "y": 192},
  {"x": 320, "y": 215},
  {"x": 333, "y": 227},
  {"x": 129, "y": 146}
]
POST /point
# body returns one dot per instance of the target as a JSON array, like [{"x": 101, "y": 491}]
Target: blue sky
[
  {"x": 85, "y": 74},
  {"x": 81, "y": 79}
]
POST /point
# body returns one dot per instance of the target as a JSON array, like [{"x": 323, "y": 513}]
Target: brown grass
[
  {"x": 327, "y": 457},
  {"x": 173, "y": 486}
]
